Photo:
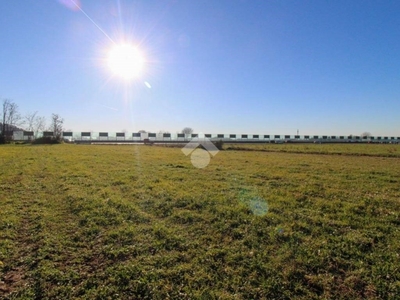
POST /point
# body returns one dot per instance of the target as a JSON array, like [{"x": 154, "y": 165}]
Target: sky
[{"x": 226, "y": 66}]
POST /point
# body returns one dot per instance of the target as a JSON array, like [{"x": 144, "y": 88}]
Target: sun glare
[{"x": 125, "y": 61}]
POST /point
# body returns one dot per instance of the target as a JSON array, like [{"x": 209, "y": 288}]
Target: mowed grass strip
[{"x": 140, "y": 222}]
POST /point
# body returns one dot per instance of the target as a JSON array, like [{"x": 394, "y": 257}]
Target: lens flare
[
  {"x": 71, "y": 4},
  {"x": 125, "y": 61}
]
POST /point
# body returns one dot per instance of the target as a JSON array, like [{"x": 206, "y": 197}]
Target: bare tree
[
  {"x": 32, "y": 120},
  {"x": 56, "y": 126},
  {"x": 161, "y": 133},
  {"x": 4, "y": 116},
  {"x": 11, "y": 118},
  {"x": 29, "y": 120},
  {"x": 14, "y": 118},
  {"x": 39, "y": 125},
  {"x": 366, "y": 133},
  {"x": 187, "y": 130}
]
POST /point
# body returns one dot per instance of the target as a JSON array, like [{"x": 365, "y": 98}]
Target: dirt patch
[{"x": 12, "y": 280}]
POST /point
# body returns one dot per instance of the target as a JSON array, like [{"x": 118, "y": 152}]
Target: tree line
[{"x": 12, "y": 120}]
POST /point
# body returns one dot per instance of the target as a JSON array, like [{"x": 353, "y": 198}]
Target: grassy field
[
  {"x": 140, "y": 222},
  {"x": 354, "y": 149}
]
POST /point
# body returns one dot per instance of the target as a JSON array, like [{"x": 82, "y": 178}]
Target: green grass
[
  {"x": 140, "y": 222},
  {"x": 354, "y": 149}
]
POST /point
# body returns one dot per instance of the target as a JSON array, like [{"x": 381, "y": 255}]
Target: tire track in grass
[
  {"x": 15, "y": 269},
  {"x": 16, "y": 275},
  {"x": 36, "y": 188}
]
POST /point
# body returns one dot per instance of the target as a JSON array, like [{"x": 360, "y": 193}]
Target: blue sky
[{"x": 226, "y": 66}]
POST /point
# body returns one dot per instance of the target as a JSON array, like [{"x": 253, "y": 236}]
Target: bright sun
[{"x": 125, "y": 61}]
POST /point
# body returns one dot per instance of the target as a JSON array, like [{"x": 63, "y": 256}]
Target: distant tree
[
  {"x": 142, "y": 131},
  {"x": 56, "y": 126},
  {"x": 34, "y": 123},
  {"x": 39, "y": 125},
  {"x": 11, "y": 118},
  {"x": 160, "y": 133},
  {"x": 187, "y": 130},
  {"x": 29, "y": 120},
  {"x": 367, "y": 134}
]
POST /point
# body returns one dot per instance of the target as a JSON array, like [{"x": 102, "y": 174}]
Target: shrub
[{"x": 46, "y": 140}]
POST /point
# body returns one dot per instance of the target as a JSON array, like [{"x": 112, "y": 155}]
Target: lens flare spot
[
  {"x": 71, "y": 4},
  {"x": 258, "y": 206}
]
